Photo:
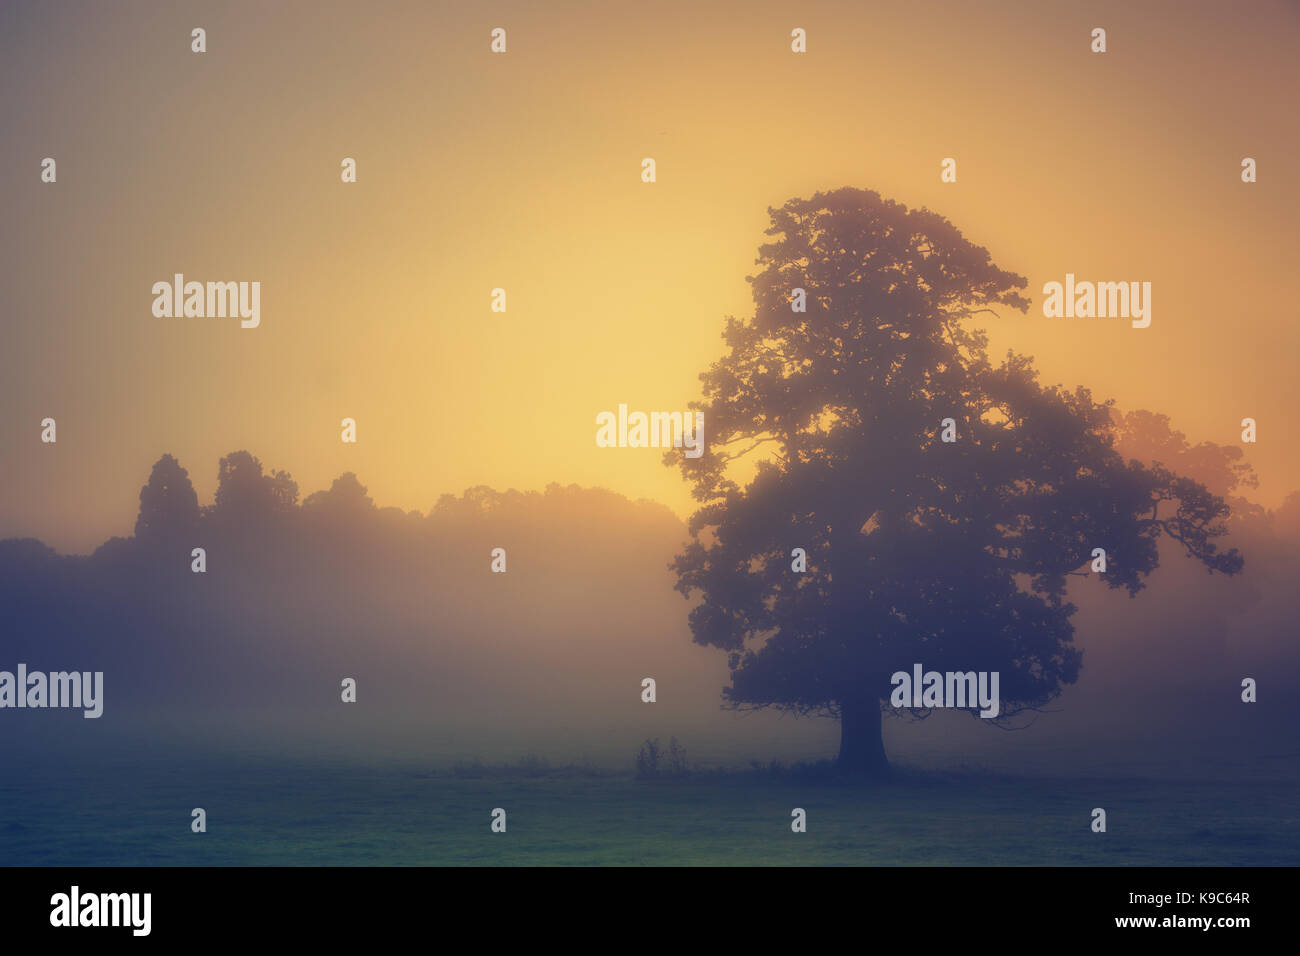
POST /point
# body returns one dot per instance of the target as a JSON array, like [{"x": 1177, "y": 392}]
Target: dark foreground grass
[{"x": 262, "y": 812}]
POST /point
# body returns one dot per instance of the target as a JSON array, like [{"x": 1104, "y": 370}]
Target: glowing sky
[{"x": 522, "y": 171}]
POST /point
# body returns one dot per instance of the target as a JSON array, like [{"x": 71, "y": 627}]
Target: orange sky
[{"x": 523, "y": 171}]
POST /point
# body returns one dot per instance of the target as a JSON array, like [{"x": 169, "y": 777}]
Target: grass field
[{"x": 268, "y": 812}]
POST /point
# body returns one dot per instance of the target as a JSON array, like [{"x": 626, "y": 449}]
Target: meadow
[{"x": 268, "y": 811}]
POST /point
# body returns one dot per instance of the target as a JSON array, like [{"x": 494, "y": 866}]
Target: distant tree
[
  {"x": 825, "y": 433},
  {"x": 284, "y": 492},
  {"x": 169, "y": 508},
  {"x": 474, "y": 502},
  {"x": 1287, "y": 515},
  {"x": 1150, "y": 437},
  {"x": 246, "y": 497},
  {"x": 346, "y": 498}
]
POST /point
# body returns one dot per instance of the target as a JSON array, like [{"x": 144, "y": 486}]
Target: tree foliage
[{"x": 825, "y": 434}]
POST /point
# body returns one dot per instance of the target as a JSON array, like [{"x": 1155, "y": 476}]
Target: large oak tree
[{"x": 824, "y": 433}]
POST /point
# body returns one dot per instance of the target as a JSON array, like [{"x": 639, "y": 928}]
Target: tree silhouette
[
  {"x": 346, "y": 502},
  {"x": 346, "y": 496},
  {"x": 247, "y": 499},
  {"x": 1149, "y": 436},
  {"x": 169, "y": 508},
  {"x": 825, "y": 434}
]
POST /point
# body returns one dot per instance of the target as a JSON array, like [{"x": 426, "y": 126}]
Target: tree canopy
[{"x": 954, "y": 554}]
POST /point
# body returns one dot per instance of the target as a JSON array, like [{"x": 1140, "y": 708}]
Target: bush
[
  {"x": 653, "y": 761},
  {"x": 647, "y": 759},
  {"x": 676, "y": 757}
]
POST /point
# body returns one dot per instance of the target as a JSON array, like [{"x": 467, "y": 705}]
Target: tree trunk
[{"x": 862, "y": 749}]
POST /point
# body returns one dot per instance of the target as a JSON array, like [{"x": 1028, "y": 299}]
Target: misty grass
[{"x": 264, "y": 813}]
